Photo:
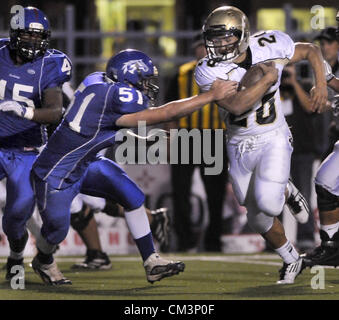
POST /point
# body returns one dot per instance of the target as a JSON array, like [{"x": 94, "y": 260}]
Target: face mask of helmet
[
  {"x": 148, "y": 86},
  {"x": 219, "y": 46},
  {"x": 29, "y": 43}
]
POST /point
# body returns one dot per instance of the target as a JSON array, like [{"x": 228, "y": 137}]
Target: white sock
[
  {"x": 34, "y": 227},
  {"x": 137, "y": 222},
  {"x": 16, "y": 255},
  {"x": 330, "y": 229},
  {"x": 288, "y": 253},
  {"x": 44, "y": 246}
]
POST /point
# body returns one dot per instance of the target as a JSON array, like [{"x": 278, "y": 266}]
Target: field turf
[{"x": 206, "y": 277}]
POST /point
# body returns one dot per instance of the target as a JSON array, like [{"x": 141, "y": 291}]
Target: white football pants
[{"x": 259, "y": 168}]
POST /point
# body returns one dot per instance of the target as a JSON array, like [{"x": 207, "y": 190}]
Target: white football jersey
[{"x": 266, "y": 114}]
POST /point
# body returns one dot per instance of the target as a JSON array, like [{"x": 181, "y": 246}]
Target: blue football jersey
[
  {"x": 25, "y": 84},
  {"x": 88, "y": 127}
]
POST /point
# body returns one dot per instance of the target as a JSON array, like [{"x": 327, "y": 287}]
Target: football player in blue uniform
[
  {"x": 31, "y": 76},
  {"x": 69, "y": 164}
]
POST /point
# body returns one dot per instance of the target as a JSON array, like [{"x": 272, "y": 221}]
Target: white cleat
[
  {"x": 297, "y": 204},
  {"x": 49, "y": 273},
  {"x": 158, "y": 268},
  {"x": 289, "y": 272}
]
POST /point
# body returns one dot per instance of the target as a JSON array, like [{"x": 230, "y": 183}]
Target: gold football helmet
[{"x": 221, "y": 24}]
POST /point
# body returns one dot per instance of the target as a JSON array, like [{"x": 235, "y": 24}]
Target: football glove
[{"x": 17, "y": 108}]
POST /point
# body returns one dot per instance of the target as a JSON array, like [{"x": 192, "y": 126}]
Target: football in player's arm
[{"x": 238, "y": 103}]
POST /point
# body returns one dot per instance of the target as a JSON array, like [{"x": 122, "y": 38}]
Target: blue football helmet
[
  {"x": 136, "y": 68},
  {"x": 29, "y": 33}
]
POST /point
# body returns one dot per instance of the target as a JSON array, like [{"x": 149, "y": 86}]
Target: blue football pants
[{"x": 103, "y": 178}]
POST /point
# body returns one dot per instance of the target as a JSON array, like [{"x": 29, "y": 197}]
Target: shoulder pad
[
  {"x": 94, "y": 78},
  {"x": 271, "y": 45},
  {"x": 205, "y": 74},
  {"x": 4, "y": 41},
  {"x": 58, "y": 63}
]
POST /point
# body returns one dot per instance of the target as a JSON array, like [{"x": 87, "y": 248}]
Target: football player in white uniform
[
  {"x": 259, "y": 141},
  {"x": 327, "y": 188}
]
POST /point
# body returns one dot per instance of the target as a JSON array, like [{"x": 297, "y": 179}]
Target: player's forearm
[
  {"x": 334, "y": 84},
  {"x": 316, "y": 60},
  {"x": 48, "y": 115},
  {"x": 180, "y": 108},
  {"x": 168, "y": 112},
  {"x": 245, "y": 99},
  {"x": 312, "y": 53}
]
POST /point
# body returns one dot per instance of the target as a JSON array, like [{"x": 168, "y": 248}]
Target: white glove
[
  {"x": 17, "y": 108},
  {"x": 335, "y": 105}
]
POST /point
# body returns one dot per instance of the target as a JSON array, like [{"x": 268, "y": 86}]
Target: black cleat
[
  {"x": 95, "y": 260},
  {"x": 10, "y": 273},
  {"x": 327, "y": 254}
]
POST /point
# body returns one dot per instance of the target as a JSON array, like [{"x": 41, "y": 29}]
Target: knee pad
[
  {"x": 79, "y": 221},
  {"x": 260, "y": 222},
  {"x": 95, "y": 203},
  {"x": 326, "y": 200},
  {"x": 270, "y": 205}
]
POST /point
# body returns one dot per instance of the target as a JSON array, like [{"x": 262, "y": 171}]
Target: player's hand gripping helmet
[
  {"x": 29, "y": 33},
  {"x": 136, "y": 68},
  {"x": 224, "y": 22}
]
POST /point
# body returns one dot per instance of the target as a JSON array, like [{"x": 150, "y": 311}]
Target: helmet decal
[{"x": 132, "y": 65}]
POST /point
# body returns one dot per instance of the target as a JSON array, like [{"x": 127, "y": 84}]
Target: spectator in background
[
  {"x": 207, "y": 117},
  {"x": 329, "y": 46},
  {"x": 307, "y": 142}
]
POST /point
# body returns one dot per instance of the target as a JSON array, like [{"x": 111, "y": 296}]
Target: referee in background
[{"x": 207, "y": 117}]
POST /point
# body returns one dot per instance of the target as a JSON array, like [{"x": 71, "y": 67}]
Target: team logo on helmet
[
  {"x": 36, "y": 25},
  {"x": 132, "y": 65}
]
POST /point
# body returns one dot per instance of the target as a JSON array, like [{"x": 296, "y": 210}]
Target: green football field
[{"x": 206, "y": 277}]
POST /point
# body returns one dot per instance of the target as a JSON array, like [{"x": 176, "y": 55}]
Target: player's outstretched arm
[
  {"x": 179, "y": 108},
  {"x": 312, "y": 53},
  {"x": 50, "y": 113},
  {"x": 244, "y": 100}
]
